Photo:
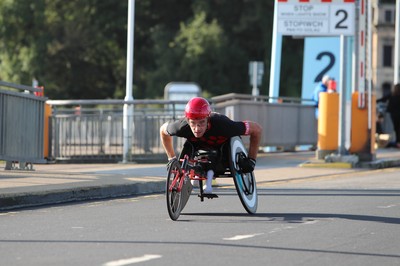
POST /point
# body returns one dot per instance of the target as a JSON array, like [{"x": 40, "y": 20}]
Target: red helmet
[{"x": 197, "y": 108}]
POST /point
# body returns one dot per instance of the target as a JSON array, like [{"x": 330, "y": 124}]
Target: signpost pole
[
  {"x": 342, "y": 100},
  {"x": 276, "y": 50},
  {"x": 254, "y": 91}
]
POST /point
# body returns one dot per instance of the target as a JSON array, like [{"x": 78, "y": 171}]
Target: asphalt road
[{"x": 348, "y": 219}]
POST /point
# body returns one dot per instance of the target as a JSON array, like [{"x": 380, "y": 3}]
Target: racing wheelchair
[{"x": 193, "y": 165}]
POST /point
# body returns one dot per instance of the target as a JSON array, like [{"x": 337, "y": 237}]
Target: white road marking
[
  {"x": 8, "y": 213},
  {"x": 279, "y": 229},
  {"x": 311, "y": 222},
  {"x": 240, "y": 237},
  {"x": 387, "y": 207},
  {"x": 123, "y": 262}
]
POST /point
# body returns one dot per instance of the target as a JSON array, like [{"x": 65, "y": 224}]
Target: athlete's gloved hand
[
  {"x": 247, "y": 164},
  {"x": 171, "y": 162}
]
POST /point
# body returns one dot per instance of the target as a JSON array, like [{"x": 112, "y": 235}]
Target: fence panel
[
  {"x": 21, "y": 125},
  {"x": 96, "y": 134},
  {"x": 286, "y": 124}
]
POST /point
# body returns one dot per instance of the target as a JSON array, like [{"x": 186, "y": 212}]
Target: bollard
[
  {"x": 46, "y": 138},
  {"x": 328, "y": 124},
  {"x": 362, "y": 138}
]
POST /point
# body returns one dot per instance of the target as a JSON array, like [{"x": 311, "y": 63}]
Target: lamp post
[{"x": 128, "y": 107}]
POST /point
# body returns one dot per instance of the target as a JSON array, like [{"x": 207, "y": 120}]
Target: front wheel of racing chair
[{"x": 178, "y": 186}]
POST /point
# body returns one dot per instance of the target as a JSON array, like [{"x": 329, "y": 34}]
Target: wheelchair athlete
[{"x": 207, "y": 130}]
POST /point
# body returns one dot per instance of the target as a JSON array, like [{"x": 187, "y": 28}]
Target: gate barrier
[{"x": 21, "y": 125}]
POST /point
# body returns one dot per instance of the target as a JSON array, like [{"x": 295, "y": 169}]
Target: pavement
[{"x": 56, "y": 183}]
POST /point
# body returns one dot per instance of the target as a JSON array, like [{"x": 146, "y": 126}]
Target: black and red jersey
[{"x": 220, "y": 129}]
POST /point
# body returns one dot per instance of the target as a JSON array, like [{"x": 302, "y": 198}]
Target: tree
[
  {"x": 156, "y": 24},
  {"x": 17, "y": 47},
  {"x": 72, "y": 47},
  {"x": 77, "y": 48},
  {"x": 200, "y": 53}
]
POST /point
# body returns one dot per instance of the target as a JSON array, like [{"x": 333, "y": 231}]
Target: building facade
[{"x": 383, "y": 46}]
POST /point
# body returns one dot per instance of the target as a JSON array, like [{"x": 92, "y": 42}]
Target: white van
[{"x": 181, "y": 91}]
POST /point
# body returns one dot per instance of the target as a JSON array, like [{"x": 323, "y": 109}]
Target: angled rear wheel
[{"x": 245, "y": 183}]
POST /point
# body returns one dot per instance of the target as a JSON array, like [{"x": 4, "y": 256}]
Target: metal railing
[
  {"x": 21, "y": 124},
  {"x": 286, "y": 122},
  {"x": 91, "y": 130}
]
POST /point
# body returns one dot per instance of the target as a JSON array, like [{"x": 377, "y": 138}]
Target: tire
[
  {"x": 187, "y": 187},
  {"x": 245, "y": 184},
  {"x": 174, "y": 198}
]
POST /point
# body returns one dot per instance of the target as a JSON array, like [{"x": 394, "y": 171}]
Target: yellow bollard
[
  {"x": 362, "y": 139},
  {"x": 328, "y": 124},
  {"x": 47, "y": 114}
]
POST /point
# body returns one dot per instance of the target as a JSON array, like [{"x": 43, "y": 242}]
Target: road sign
[
  {"x": 316, "y": 18},
  {"x": 256, "y": 72},
  {"x": 321, "y": 57}
]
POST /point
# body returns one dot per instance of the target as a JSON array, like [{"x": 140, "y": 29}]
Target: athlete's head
[
  {"x": 197, "y": 111},
  {"x": 197, "y": 108}
]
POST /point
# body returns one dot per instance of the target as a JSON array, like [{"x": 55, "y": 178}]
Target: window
[
  {"x": 388, "y": 16},
  {"x": 386, "y": 87},
  {"x": 387, "y": 55}
]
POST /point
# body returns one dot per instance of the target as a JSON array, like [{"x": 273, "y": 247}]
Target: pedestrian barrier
[
  {"x": 21, "y": 126},
  {"x": 287, "y": 122},
  {"x": 95, "y": 133},
  {"x": 33, "y": 129}
]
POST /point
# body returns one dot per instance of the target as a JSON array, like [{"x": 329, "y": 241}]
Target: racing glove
[
  {"x": 171, "y": 162},
  {"x": 247, "y": 164}
]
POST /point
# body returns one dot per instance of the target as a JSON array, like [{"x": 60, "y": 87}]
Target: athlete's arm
[
  {"x": 166, "y": 141},
  {"x": 255, "y": 131}
]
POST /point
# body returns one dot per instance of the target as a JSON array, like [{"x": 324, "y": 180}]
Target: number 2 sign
[
  {"x": 342, "y": 19},
  {"x": 321, "y": 57}
]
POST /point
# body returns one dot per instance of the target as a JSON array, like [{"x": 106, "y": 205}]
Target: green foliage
[
  {"x": 199, "y": 53},
  {"x": 77, "y": 48},
  {"x": 292, "y": 70}
]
